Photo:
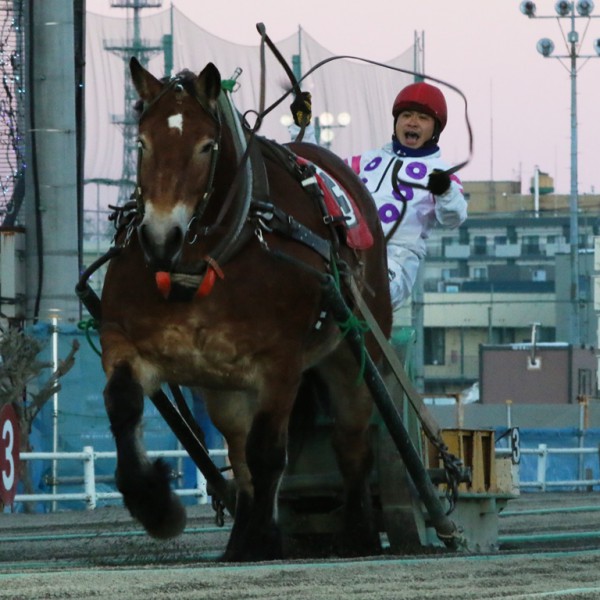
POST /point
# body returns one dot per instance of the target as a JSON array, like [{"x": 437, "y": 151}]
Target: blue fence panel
[
  {"x": 560, "y": 467},
  {"x": 82, "y": 419}
]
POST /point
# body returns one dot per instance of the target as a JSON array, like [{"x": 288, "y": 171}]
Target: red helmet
[{"x": 424, "y": 98}]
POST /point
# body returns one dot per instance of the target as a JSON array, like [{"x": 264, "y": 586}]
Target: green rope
[
  {"x": 352, "y": 324},
  {"x": 87, "y": 325}
]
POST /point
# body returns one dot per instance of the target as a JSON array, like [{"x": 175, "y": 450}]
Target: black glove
[
  {"x": 439, "y": 182},
  {"x": 301, "y": 109}
]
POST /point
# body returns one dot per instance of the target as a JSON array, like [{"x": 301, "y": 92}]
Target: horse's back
[{"x": 376, "y": 288}]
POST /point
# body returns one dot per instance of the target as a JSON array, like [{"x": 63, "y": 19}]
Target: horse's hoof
[
  {"x": 171, "y": 524},
  {"x": 265, "y": 545},
  {"x": 149, "y": 499}
]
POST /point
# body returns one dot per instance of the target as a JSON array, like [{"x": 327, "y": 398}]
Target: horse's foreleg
[{"x": 144, "y": 485}]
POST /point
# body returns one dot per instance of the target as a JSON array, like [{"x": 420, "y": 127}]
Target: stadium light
[{"x": 570, "y": 10}]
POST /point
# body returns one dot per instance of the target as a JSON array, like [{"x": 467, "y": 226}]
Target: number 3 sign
[{"x": 9, "y": 454}]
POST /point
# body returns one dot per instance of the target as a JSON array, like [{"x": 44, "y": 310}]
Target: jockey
[{"x": 412, "y": 157}]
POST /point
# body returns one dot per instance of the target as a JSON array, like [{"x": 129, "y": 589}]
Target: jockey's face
[{"x": 414, "y": 128}]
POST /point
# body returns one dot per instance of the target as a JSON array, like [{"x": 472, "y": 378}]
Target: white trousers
[{"x": 403, "y": 266}]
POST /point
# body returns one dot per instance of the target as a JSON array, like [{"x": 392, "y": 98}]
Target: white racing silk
[{"x": 418, "y": 210}]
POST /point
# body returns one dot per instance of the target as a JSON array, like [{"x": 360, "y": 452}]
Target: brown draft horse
[{"x": 247, "y": 344}]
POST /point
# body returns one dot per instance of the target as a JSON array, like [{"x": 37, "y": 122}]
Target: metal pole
[
  {"x": 541, "y": 466},
  {"x": 582, "y": 427},
  {"x": 54, "y": 320},
  {"x": 536, "y": 191},
  {"x": 89, "y": 477},
  {"x": 52, "y": 205},
  {"x": 575, "y": 329},
  {"x": 418, "y": 324}
]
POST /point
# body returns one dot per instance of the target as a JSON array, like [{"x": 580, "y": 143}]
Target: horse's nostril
[{"x": 163, "y": 250}]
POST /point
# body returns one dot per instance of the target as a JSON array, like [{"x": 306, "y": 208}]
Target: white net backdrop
[{"x": 363, "y": 90}]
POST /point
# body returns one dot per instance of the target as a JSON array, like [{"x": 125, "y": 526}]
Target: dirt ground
[{"x": 41, "y": 557}]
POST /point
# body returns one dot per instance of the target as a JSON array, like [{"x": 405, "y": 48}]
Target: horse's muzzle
[{"x": 161, "y": 252}]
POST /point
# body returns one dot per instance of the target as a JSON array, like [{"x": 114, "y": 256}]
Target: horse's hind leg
[
  {"x": 352, "y": 407},
  {"x": 144, "y": 485}
]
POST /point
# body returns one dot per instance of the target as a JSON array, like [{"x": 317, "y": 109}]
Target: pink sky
[{"x": 519, "y": 102}]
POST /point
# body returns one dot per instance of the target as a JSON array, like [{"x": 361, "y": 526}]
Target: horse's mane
[{"x": 185, "y": 76}]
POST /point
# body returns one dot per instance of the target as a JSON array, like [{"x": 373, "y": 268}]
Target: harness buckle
[
  {"x": 263, "y": 225},
  {"x": 329, "y": 219},
  {"x": 261, "y": 240},
  {"x": 309, "y": 181},
  {"x": 129, "y": 233},
  {"x": 189, "y": 228}
]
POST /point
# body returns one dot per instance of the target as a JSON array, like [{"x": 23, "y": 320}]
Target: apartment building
[
  {"x": 487, "y": 282},
  {"x": 505, "y": 269}
]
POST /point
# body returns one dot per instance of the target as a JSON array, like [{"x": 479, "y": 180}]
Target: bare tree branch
[
  {"x": 52, "y": 385},
  {"x": 19, "y": 366}
]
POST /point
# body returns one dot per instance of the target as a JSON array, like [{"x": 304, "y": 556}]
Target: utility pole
[{"x": 570, "y": 11}]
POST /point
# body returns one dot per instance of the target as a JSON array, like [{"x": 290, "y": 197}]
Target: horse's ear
[
  {"x": 209, "y": 83},
  {"x": 147, "y": 86}
]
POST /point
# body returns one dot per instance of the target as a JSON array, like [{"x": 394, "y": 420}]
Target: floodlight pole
[
  {"x": 575, "y": 317},
  {"x": 568, "y": 10}
]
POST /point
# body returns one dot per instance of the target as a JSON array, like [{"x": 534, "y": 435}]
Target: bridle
[
  {"x": 236, "y": 201},
  {"x": 179, "y": 84}
]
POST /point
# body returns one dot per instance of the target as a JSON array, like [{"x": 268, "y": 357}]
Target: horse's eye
[{"x": 207, "y": 147}]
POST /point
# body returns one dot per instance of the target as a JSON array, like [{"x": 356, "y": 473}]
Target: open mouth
[{"x": 412, "y": 136}]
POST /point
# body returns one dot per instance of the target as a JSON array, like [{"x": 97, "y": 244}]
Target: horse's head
[{"x": 179, "y": 139}]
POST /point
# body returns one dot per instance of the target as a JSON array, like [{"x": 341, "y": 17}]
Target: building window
[
  {"x": 449, "y": 274},
  {"x": 480, "y": 273},
  {"x": 585, "y": 292},
  {"x": 503, "y": 335},
  {"x": 500, "y": 240},
  {"x": 531, "y": 245},
  {"x": 434, "y": 345},
  {"x": 584, "y": 387},
  {"x": 480, "y": 245}
]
